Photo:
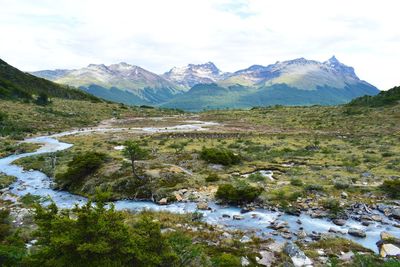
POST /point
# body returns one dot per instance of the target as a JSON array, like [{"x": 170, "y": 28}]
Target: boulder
[
  {"x": 376, "y": 218},
  {"x": 396, "y": 213},
  {"x": 357, "y": 232},
  {"x": 346, "y": 256},
  {"x": 387, "y": 238},
  {"x": 344, "y": 195},
  {"x": 238, "y": 217},
  {"x": 276, "y": 246},
  {"x": 163, "y": 201},
  {"x": 298, "y": 257},
  {"x": 286, "y": 235},
  {"x": 339, "y": 222},
  {"x": 244, "y": 261},
  {"x": 267, "y": 258},
  {"x": 276, "y": 225},
  {"x": 301, "y": 234},
  {"x": 389, "y": 250},
  {"x": 202, "y": 206},
  {"x": 178, "y": 197}
]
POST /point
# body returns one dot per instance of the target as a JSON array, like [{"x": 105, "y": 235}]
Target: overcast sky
[{"x": 234, "y": 34}]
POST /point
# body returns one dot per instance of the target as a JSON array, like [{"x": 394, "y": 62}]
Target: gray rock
[
  {"x": 238, "y": 217},
  {"x": 278, "y": 225},
  {"x": 346, "y": 256},
  {"x": 298, "y": 257},
  {"x": 202, "y": 206},
  {"x": 357, "y": 232},
  {"x": 276, "y": 246},
  {"x": 267, "y": 258},
  {"x": 339, "y": 222},
  {"x": 396, "y": 213},
  {"x": 389, "y": 250},
  {"x": 245, "y": 261},
  {"x": 301, "y": 234}
]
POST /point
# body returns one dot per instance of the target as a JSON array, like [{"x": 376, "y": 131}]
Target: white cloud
[{"x": 159, "y": 34}]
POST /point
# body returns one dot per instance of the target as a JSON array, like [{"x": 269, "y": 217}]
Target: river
[{"x": 38, "y": 183}]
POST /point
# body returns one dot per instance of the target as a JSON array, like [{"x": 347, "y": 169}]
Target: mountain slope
[
  {"x": 384, "y": 98},
  {"x": 17, "y": 84},
  {"x": 119, "y": 82}
]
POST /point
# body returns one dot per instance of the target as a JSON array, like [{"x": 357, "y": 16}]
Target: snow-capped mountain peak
[{"x": 193, "y": 74}]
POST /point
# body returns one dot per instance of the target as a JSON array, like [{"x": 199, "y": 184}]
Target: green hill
[
  {"x": 15, "y": 84},
  {"x": 214, "y": 96},
  {"x": 384, "y": 98}
]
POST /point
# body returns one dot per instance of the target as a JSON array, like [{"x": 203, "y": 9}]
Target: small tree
[
  {"x": 134, "y": 152},
  {"x": 42, "y": 99}
]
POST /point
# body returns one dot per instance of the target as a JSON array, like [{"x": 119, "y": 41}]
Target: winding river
[{"x": 37, "y": 183}]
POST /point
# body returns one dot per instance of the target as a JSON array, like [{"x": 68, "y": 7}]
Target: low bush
[
  {"x": 391, "y": 187},
  {"x": 296, "y": 182},
  {"x": 314, "y": 188},
  {"x": 341, "y": 185},
  {"x": 241, "y": 192},
  {"x": 226, "y": 260},
  {"x": 212, "y": 177},
  {"x": 81, "y": 166},
  {"x": 333, "y": 205},
  {"x": 219, "y": 156}
]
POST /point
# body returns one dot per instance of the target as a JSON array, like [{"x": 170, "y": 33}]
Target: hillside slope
[
  {"x": 384, "y": 98},
  {"x": 16, "y": 84}
]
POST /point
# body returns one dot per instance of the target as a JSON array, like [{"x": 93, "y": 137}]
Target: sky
[{"x": 234, "y": 34}]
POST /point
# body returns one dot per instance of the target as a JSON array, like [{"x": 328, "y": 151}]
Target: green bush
[
  {"x": 314, "y": 188},
  {"x": 391, "y": 187},
  {"x": 81, "y": 166},
  {"x": 212, "y": 177},
  {"x": 93, "y": 235},
  {"x": 341, "y": 185},
  {"x": 12, "y": 247},
  {"x": 256, "y": 177},
  {"x": 227, "y": 260},
  {"x": 333, "y": 205},
  {"x": 238, "y": 193},
  {"x": 296, "y": 182},
  {"x": 219, "y": 156}
]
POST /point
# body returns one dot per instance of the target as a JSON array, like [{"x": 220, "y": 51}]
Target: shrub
[
  {"x": 12, "y": 247},
  {"x": 238, "y": 193},
  {"x": 256, "y": 177},
  {"x": 314, "y": 187},
  {"x": 219, "y": 156},
  {"x": 391, "y": 187},
  {"x": 81, "y": 166},
  {"x": 93, "y": 235},
  {"x": 296, "y": 182},
  {"x": 227, "y": 260},
  {"x": 333, "y": 205},
  {"x": 341, "y": 185},
  {"x": 212, "y": 177}
]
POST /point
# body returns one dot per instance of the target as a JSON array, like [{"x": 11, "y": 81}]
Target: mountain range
[{"x": 203, "y": 86}]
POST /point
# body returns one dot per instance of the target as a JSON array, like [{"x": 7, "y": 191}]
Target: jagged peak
[
  {"x": 333, "y": 59},
  {"x": 96, "y": 66}
]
